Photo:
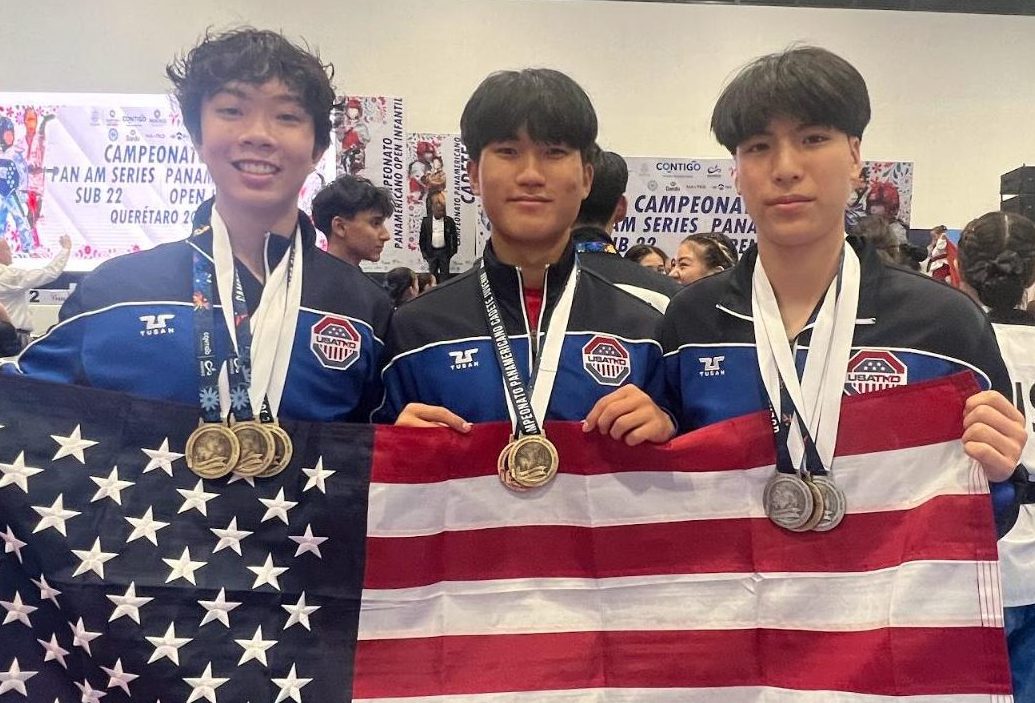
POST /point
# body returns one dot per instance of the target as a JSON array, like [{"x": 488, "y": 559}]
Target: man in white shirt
[
  {"x": 439, "y": 239},
  {"x": 16, "y": 282}
]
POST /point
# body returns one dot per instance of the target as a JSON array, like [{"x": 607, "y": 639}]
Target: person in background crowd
[
  {"x": 439, "y": 238},
  {"x": 10, "y": 344},
  {"x": 401, "y": 285},
  {"x": 594, "y": 225},
  {"x": 15, "y": 284},
  {"x": 890, "y": 248},
  {"x": 997, "y": 263},
  {"x": 650, "y": 257},
  {"x": 530, "y": 135},
  {"x": 351, "y": 212},
  {"x": 701, "y": 255},
  {"x": 425, "y": 282},
  {"x": 257, "y": 108}
]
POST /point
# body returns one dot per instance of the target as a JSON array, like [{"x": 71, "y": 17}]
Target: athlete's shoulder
[{"x": 157, "y": 274}]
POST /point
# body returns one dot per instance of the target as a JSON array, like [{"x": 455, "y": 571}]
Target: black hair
[
  {"x": 398, "y": 283},
  {"x": 549, "y": 105},
  {"x": 638, "y": 252},
  {"x": 610, "y": 178},
  {"x": 717, "y": 250},
  {"x": 997, "y": 258},
  {"x": 347, "y": 196},
  {"x": 890, "y": 248},
  {"x": 252, "y": 56},
  {"x": 424, "y": 281},
  {"x": 806, "y": 82}
]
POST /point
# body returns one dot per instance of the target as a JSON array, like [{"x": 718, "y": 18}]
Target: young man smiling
[
  {"x": 794, "y": 123},
  {"x": 581, "y": 347},
  {"x": 297, "y": 329}
]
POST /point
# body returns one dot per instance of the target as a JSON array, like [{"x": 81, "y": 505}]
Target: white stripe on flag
[
  {"x": 915, "y": 594},
  {"x": 410, "y": 510}
]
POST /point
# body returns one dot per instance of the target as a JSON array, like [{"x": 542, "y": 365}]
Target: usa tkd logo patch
[
  {"x": 872, "y": 370},
  {"x": 335, "y": 342},
  {"x": 606, "y": 360}
]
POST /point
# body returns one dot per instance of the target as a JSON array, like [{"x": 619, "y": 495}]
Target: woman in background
[{"x": 401, "y": 285}]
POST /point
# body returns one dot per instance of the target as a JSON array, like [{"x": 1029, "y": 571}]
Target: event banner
[
  {"x": 370, "y": 142},
  {"x": 117, "y": 173},
  {"x": 671, "y": 198},
  {"x": 438, "y": 162}
]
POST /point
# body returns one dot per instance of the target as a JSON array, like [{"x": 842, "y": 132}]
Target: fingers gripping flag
[{"x": 646, "y": 574}]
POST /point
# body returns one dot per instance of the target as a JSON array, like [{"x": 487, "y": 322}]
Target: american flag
[
  {"x": 124, "y": 577},
  {"x": 651, "y": 573}
]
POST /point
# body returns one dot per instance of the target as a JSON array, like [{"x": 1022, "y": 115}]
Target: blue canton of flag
[{"x": 125, "y": 577}]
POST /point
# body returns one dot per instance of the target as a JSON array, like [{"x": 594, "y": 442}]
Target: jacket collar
[
  {"x": 505, "y": 282},
  {"x": 737, "y": 298},
  {"x": 276, "y": 247}
]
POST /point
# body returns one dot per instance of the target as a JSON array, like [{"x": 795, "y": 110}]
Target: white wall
[{"x": 954, "y": 93}]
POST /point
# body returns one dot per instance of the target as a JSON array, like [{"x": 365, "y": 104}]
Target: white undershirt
[{"x": 438, "y": 233}]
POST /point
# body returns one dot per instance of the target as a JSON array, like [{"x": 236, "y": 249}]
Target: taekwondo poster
[
  {"x": 438, "y": 162},
  {"x": 117, "y": 173},
  {"x": 370, "y": 142},
  {"x": 671, "y": 198}
]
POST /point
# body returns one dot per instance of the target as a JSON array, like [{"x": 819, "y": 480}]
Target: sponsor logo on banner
[
  {"x": 335, "y": 342},
  {"x": 463, "y": 359},
  {"x": 155, "y": 325},
  {"x": 874, "y": 370},
  {"x": 606, "y": 360},
  {"x": 711, "y": 366}
]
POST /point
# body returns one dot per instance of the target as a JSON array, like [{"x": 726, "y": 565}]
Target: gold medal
[
  {"x": 257, "y": 448},
  {"x": 506, "y": 478},
  {"x": 817, "y": 506},
  {"x": 532, "y": 461},
  {"x": 212, "y": 450},
  {"x": 283, "y": 448},
  {"x": 788, "y": 502},
  {"x": 835, "y": 504}
]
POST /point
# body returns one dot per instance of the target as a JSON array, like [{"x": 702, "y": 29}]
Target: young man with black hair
[
  {"x": 794, "y": 122},
  {"x": 351, "y": 212},
  {"x": 603, "y": 207},
  {"x": 249, "y": 286},
  {"x": 530, "y": 314}
]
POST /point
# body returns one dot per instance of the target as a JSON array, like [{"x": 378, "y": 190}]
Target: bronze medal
[
  {"x": 835, "y": 504},
  {"x": 257, "y": 448},
  {"x": 212, "y": 450},
  {"x": 506, "y": 478},
  {"x": 283, "y": 448},
  {"x": 533, "y": 461},
  {"x": 817, "y": 506},
  {"x": 787, "y": 500}
]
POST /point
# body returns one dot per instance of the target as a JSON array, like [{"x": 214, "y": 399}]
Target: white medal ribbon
[
  {"x": 817, "y": 396},
  {"x": 273, "y": 324}
]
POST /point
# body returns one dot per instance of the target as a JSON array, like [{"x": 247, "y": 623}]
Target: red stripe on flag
[
  {"x": 869, "y": 424},
  {"x": 943, "y": 528},
  {"x": 890, "y": 661}
]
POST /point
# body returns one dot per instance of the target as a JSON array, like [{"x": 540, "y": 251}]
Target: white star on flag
[
  {"x": 118, "y": 677},
  {"x": 235, "y": 477},
  {"x": 195, "y": 498},
  {"x": 308, "y": 542},
  {"x": 14, "y": 679},
  {"x": 230, "y": 537},
  {"x": 17, "y": 610},
  {"x": 161, "y": 458},
  {"x": 168, "y": 645},
  {"x": 12, "y": 543},
  {"x": 47, "y": 592},
  {"x": 218, "y": 609},
  {"x": 290, "y": 687},
  {"x": 89, "y": 693},
  {"x": 299, "y": 613},
  {"x": 277, "y": 507},
  {"x": 128, "y": 605},
  {"x": 81, "y": 637},
  {"x": 317, "y": 476},
  {"x": 267, "y": 573},
  {"x": 92, "y": 559},
  {"x": 204, "y": 686},
  {"x": 145, "y": 526},
  {"x": 17, "y": 473},
  {"x": 54, "y": 651},
  {"x": 183, "y": 568},
  {"x": 255, "y": 648},
  {"x": 110, "y": 487},
  {"x": 72, "y": 445},
  {"x": 54, "y": 516}
]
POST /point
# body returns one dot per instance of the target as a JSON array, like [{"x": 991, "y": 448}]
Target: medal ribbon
[
  {"x": 815, "y": 400},
  {"x": 528, "y": 409}
]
